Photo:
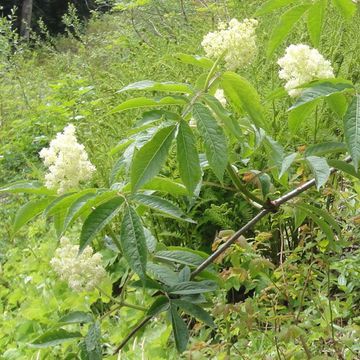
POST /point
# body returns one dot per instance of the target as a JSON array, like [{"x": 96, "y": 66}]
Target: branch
[
  {"x": 270, "y": 207},
  {"x": 141, "y": 324}
]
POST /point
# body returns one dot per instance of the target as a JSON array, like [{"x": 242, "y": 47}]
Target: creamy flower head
[
  {"x": 302, "y": 64},
  {"x": 82, "y": 272},
  {"x": 237, "y": 41},
  {"x": 219, "y": 94},
  {"x": 67, "y": 161}
]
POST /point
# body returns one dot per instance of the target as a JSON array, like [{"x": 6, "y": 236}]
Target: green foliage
[{"x": 178, "y": 173}]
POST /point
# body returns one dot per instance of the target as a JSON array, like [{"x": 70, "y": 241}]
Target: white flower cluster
[
  {"x": 237, "y": 41},
  {"x": 67, "y": 161},
  {"x": 219, "y": 94},
  {"x": 302, "y": 64},
  {"x": 82, "y": 272}
]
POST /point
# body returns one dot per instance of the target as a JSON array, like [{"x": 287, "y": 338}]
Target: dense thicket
[{"x": 50, "y": 11}]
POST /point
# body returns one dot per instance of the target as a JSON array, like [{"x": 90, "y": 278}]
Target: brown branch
[
  {"x": 270, "y": 207},
  {"x": 140, "y": 325}
]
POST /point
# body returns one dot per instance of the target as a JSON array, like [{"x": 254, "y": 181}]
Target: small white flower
[
  {"x": 67, "y": 161},
  {"x": 82, "y": 272},
  {"x": 302, "y": 64},
  {"x": 219, "y": 94},
  {"x": 237, "y": 41}
]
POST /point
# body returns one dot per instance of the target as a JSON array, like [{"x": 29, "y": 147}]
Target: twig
[
  {"x": 132, "y": 332},
  {"x": 272, "y": 206}
]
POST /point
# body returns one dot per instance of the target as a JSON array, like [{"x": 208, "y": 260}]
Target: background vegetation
[{"x": 284, "y": 291}]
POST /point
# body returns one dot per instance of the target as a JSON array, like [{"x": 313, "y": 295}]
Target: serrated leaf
[
  {"x": 288, "y": 160},
  {"x": 196, "y": 60},
  {"x": 272, "y": 5},
  {"x": 195, "y": 311},
  {"x": 163, "y": 273},
  {"x": 188, "y": 157},
  {"x": 287, "y": 21},
  {"x": 223, "y": 115},
  {"x": 162, "y": 205},
  {"x": 299, "y": 115},
  {"x": 159, "y": 305},
  {"x": 29, "y": 211},
  {"x": 345, "y": 167},
  {"x": 141, "y": 102},
  {"x": 244, "y": 97},
  {"x": 192, "y": 287},
  {"x": 325, "y": 148},
  {"x": 352, "y": 130},
  {"x": 321, "y": 90},
  {"x": 54, "y": 337},
  {"x": 76, "y": 317},
  {"x": 338, "y": 103},
  {"x": 214, "y": 139},
  {"x": 26, "y": 187},
  {"x": 149, "y": 159},
  {"x": 346, "y": 7},
  {"x": 320, "y": 169},
  {"x": 133, "y": 242},
  {"x": 180, "y": 257},
  {"x": 98, "y": 219},
  {"x": 315, "y": 21},
  {"x": 163, "y": 185},
  {"x": 158, "y": 86},
  {"x": 321, "y": 213},
  {"x": 180, "y": 330}
]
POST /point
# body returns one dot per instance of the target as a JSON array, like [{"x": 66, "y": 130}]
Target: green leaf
[
  {"x": 320, "y": 169},
  {"x": 192, "y": 287},
  {"x": 223, "y": 115},
  {"x": 325, "y": 148},
  {"x": 159, "y": 305},
  {"x": 162, "y": 273},
  {"x": 163, "y": 185},
  {"x": 133, "y": 242},
  {"x": 188, "y": 157},
  {"x": 320, "y": 222},
  {"x": 26, "y": 187},
  {"x": 195, "y": 311},
  {"x": 352, "y": 130},
  {"x": 315, "y": 21},
  {"x": 299, "y": 115},
  {"x": 149, "y": 159},
  {"x": 180, "y": 257},
  {"x": 321, "y": 90},
  {"x": 214, "y": 139},
  {"x": 196, "y": 60},
  {"x": 275, "y": 151},
  {"x": 98, "y": 219},
  {"x": 29, "y": 211},
  {"x": 65, "y": 201},
  {"x": 321, "y": 213},
  {"x": 76, "y": 317},
  {"x": 344, "y": 167},
  {"x": 163, "y": 205},
  {"x": 338, "y": 104},
  {"x": 140, "y": 102},
  {"x": 180, "y": 330},
  {"x": 283, "y": 27},
  {"x": 54, "y": 337},
  {"x": 288, "y": 160},
  {"x": 158, "y": 86},
  {"x": 346, "y": 7},
  {"x": 272, "y": 5},
  {"x": 92, "y": 342},
  {"x": 244, "y": 97}
]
